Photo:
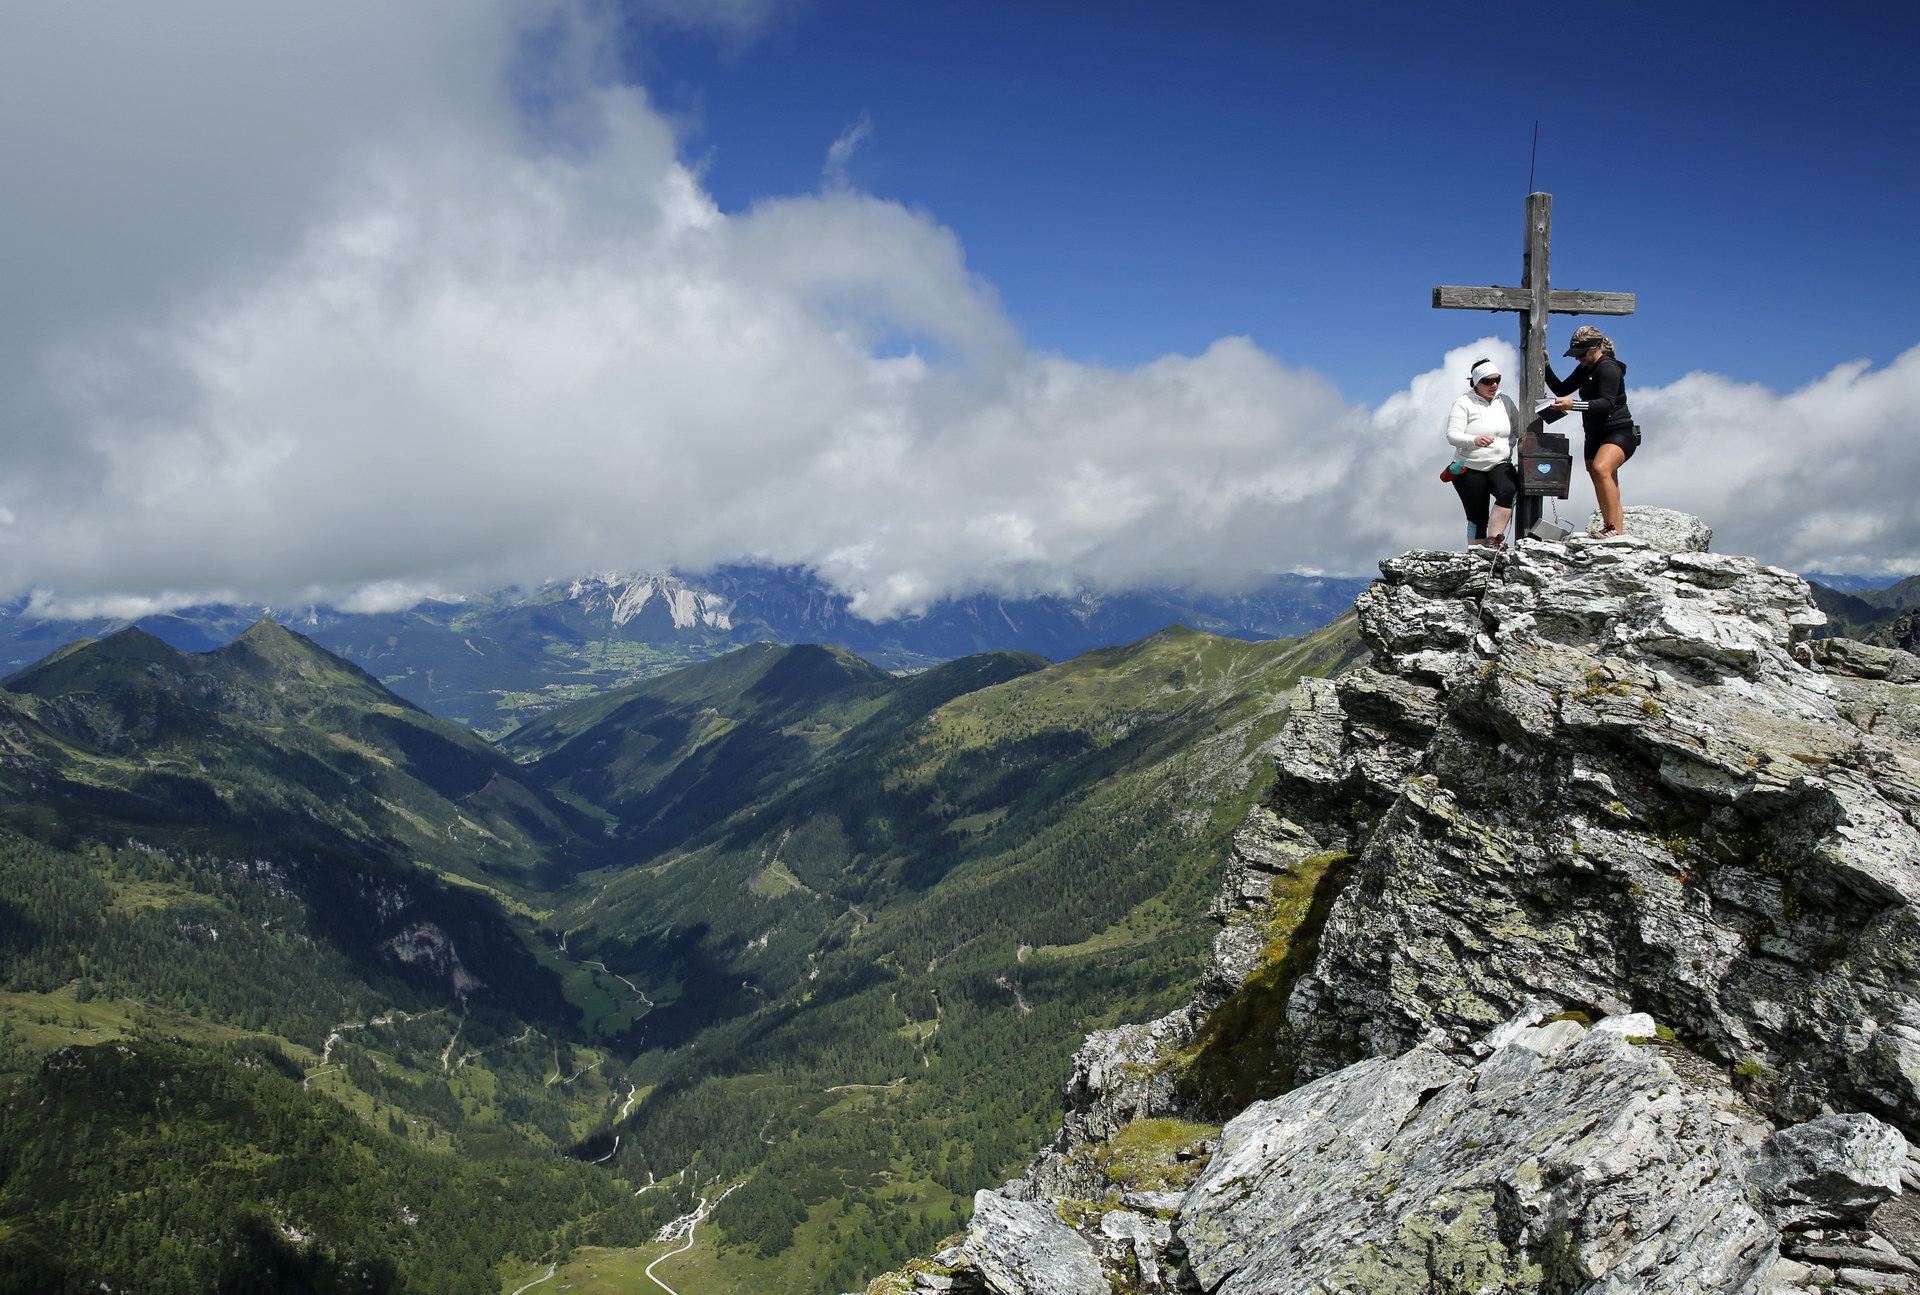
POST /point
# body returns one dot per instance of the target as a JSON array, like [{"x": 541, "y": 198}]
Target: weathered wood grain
[{"x": 1560, "y": 301}]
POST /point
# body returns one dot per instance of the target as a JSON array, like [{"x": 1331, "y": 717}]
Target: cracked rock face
[
  {"x": 1619, "y": 789},
  {"x": 1566, "y": 1159},
  {"x": 1832, "y": 1166},
  {"x": 1024, "y": 1249},
  {"x": 1549, "y": 1156},
  {"x": 1602, "y": 780}
]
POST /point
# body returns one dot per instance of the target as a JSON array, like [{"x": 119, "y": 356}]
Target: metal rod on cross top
[{"x": 1534, "y": 299}]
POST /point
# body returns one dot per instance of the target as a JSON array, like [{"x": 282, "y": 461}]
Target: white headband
[{"x": 1485, "y": 369}]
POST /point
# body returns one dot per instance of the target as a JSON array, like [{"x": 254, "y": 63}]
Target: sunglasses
[{"x": 1488, "y": 382}]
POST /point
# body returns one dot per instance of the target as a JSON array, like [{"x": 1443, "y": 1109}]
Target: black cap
[{"x": 1582, "y": 347}]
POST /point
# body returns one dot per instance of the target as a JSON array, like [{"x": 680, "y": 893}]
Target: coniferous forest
[{"x": 304, "y": 989}]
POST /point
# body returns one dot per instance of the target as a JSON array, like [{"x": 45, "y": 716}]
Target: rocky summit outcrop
[{"x": 1576, "y": 949}]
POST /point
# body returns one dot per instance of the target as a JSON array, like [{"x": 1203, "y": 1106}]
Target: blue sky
[
  {"x": 369, "y": 300},
  {"x": 1140, "y": 178}
]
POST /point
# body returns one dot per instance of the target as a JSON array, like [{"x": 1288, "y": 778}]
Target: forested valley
[{"x": 304, "y": 989}]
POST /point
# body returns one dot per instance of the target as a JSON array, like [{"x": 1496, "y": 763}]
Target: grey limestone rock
[
  {"x": 1021, "y": 1248},
  {"x": 1859, "y": 1257},
  {"x": 1850, "y": 657},
  {"x": 1137, "y": 1245},
  {"x": 1662, "y": 527},
  {"x": 1118, "y": 1076},
  {"x": 1873, "y": 1282},
  {"x": 1633, "y": 795},
  {"x": 1831, "y": 1166},
  {"x": 1567, "y": 1159}
]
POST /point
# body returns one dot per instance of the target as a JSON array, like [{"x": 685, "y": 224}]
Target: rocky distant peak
[
  {"x": 621, "y": 597},
  {"x": 269, "y": 637}
]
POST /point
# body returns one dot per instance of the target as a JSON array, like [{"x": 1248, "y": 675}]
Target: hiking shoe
[{"x": 1607, "y": 533}]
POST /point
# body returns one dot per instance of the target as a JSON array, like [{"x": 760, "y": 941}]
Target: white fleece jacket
[{"x": 1472, "y": 417}]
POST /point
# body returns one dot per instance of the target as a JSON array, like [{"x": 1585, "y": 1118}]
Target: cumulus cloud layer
[{"x": 337, "y": 322}]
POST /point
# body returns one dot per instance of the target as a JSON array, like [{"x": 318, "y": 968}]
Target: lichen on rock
[
  {"x": 1564, "y": 1157},
  {"x": 1635, "y": 797}
]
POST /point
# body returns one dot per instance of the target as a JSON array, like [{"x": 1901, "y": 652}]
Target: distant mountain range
[
  {"x": 493, "y": 661},
  {"x": 1888, "y": 616},
  {"x": 1849, "y": 584}
]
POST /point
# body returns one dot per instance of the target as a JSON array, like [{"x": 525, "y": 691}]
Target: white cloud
[
  {"x": 386, "y": 596},
  {"x": 419, "y": 352},
  {"x": 118, "y": 606},
  {"x": 1816, "y": 479},
  {"x": 840, "y": 154}
]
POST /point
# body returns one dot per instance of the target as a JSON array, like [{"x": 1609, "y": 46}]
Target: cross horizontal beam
[{"x": 1560, "y": 301}]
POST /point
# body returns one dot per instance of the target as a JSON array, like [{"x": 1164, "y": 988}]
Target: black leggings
[{"x": 1475, "y": 486}]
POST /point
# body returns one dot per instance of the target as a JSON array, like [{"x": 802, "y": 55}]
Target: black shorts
[{"x": 1621, "y": 436}]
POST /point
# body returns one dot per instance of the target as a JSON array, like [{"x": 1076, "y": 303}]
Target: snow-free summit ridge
[{"x": 1576, "y": 949}]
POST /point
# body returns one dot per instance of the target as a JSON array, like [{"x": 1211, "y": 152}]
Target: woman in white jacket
[{"x": 1481, "y": 427}]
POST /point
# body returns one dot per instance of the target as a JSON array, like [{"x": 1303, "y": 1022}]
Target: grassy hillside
[
  {"x": 272, "y": 907},
  {"x": 271, "y": 741},
  {"x": 670, "y": 758},
  {"x": 866, "y": 977},
  {"x": 154, "y": 1166}
]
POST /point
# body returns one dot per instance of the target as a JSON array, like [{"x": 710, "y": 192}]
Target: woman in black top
[{"x": 1600, "y": 383}]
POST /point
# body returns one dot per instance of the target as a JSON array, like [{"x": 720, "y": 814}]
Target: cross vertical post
[{"x": 1533, "y": 341}]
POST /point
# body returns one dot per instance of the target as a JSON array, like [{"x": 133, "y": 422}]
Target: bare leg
[
  {"x": 1604, "y": 469},
  {"x": 1497, "y": 523}
]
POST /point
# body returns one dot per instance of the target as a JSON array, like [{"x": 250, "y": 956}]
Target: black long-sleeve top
[{"x": 1603, "y": 387}]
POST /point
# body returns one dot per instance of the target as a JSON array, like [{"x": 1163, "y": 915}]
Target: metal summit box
[{"x": 1546, "y": 467}]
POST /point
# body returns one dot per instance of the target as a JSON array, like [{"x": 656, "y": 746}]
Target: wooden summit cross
[{"x": 1535, "y": 300}]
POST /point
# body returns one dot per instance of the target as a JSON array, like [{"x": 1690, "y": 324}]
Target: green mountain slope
[
  {"x": 179, "y": 1170},
  {"x": 261, "y": 848},
  {"x": 271, "y": 739},
  {"x": 864, "y": 977},
  {"x": 671, "y": 757}
]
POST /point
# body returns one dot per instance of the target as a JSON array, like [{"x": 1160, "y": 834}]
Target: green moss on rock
[
  {"x": 1242, "y": 1052},
  {"x": 1155, "y": 1155}
]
